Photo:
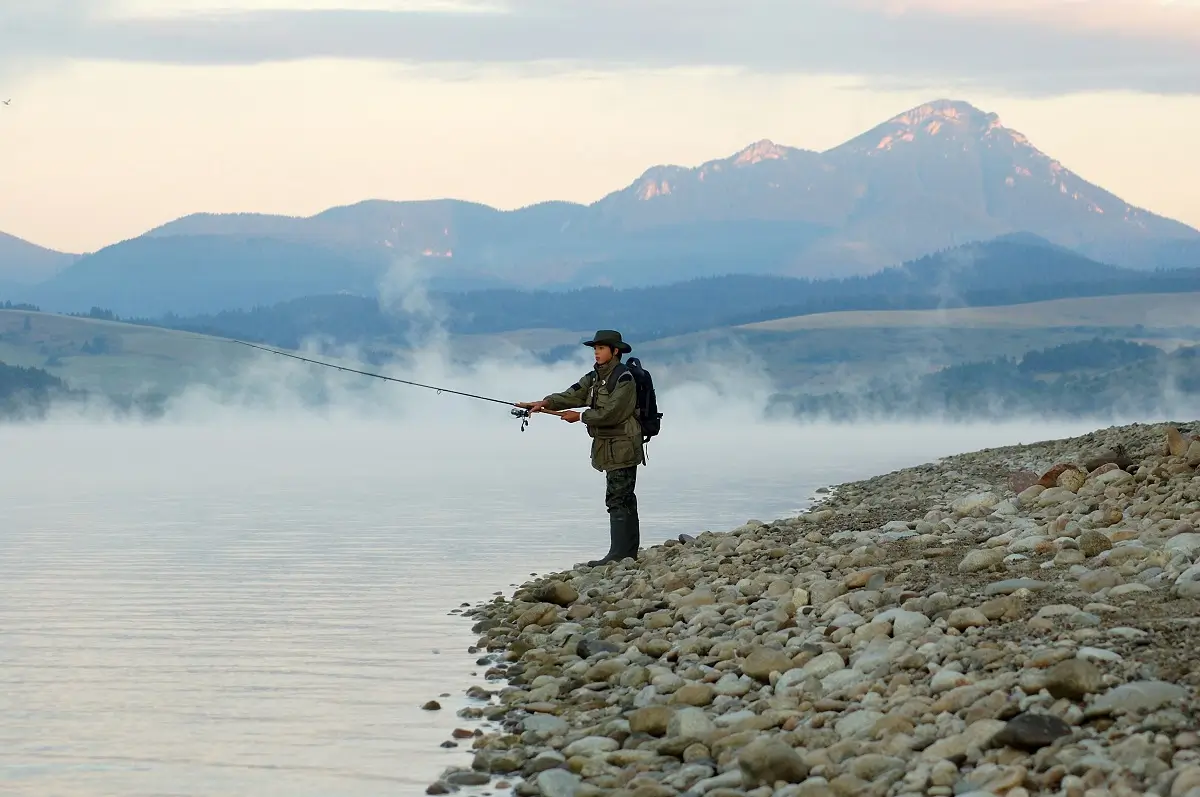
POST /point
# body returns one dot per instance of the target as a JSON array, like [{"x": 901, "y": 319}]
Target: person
[{"x": 610, "y": 396}]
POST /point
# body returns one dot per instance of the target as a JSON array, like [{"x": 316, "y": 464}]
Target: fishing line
[{"x": 518, "y": 412}]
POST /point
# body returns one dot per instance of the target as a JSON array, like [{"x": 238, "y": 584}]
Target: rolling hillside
[
  {"x": 201, "y": 273},
  {"x": 1001, "y": 272},
  {"x": 1095, "y": 378},
  {"x": 831, "y": 352},
  {"x": 1158, "y": 310},
  {"x": 812, "y": 354},
  {"x": 114, "y": 358},
  {"x": 23, "y": 264}
]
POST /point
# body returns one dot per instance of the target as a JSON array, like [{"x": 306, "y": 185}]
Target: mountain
[
  {"x": 203, "y": 273},
  {"x": 940, "y": 174},
  {"x": 936, "y": 176},
  {"x": 23, "y": 263},
  {"x": 467, "y": 245}
]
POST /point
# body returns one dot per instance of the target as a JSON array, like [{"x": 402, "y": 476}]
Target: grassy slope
[
  {"x": 1161, "y": 310},
  {"x": 138, "y": 358},
  {"x": 814, "y": 351},
  {"x": 829, "y": 351}
]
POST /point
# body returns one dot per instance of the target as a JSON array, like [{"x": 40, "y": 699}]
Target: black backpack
[{"x": 647, "y": 404}]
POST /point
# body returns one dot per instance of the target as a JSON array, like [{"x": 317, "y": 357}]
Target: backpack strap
[{"x": 618, "y": 374}]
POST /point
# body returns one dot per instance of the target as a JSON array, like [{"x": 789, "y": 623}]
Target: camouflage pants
[{"x": 619, "y": 489}]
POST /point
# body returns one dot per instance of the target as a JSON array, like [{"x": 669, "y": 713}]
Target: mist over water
[{"x": 253, "y": 595}]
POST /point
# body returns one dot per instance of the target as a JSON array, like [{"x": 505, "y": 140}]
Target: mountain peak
[
  {"x": 947, "y": 117},
  {"x": 760, "y": 151},
  {"x": 945, "y": 120},
  {"x": 659, "y": 181},
  {"x": 945, "y": 112}
]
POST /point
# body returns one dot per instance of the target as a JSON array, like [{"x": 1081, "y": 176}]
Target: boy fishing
[{"x": 610, "y": 394}]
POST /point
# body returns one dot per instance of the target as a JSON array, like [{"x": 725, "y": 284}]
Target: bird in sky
[{"x": 8, "y": 102}]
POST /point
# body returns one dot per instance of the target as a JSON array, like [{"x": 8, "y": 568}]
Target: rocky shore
[{"x": 1014, "y": 621}]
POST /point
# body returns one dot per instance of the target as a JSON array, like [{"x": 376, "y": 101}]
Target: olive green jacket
[{"x": 611, "y": 418}]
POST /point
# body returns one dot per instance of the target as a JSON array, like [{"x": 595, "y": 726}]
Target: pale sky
[{"x": 126, "y": 114}]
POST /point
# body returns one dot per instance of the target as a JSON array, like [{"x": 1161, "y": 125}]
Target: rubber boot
[
  {"x": 634, "y": 536},
  {"x": 619, "y": 530}
]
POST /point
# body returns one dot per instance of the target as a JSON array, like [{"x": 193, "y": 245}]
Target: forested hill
[
  {"x": 1001, "y": 272},
  {"x": 1087, "y": 378},
  {"x": 28, "y": 392}
]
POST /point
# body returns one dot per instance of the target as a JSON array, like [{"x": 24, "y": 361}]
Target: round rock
[{"x": 1031, "y": 732}]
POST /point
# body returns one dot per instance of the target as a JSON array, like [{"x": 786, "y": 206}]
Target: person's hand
[
  {"x": 570, "y": 416},
  {"x": 533, "y": 406}
]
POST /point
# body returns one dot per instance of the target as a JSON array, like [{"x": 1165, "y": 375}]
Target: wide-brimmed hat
[{"x": 611, "y": 338}]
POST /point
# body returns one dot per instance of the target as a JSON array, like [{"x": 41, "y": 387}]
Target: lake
[{"x": 260, "y": 605}]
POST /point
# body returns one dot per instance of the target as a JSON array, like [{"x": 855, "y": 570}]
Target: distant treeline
[
  {"x": 97, "y": 312},
  {"x": 1086, "y": 378},
  {"x": 1088, "y": 355},
  {"x": 33, "y": 308},
  {"x": 28, "y": 392},
  {"x": 991, "y": 274}
]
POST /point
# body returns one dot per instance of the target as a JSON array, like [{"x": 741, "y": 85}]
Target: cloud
[
  {"x": 1032, "y": 47},
  {"x": 28, "y": 31},
  {"x": 1161, "y": 19}
]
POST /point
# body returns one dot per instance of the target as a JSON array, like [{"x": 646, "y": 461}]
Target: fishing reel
[{"x": 523, "y": 414}]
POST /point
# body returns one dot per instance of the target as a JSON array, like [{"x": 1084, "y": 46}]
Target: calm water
[{"x": 261, "y": 608}]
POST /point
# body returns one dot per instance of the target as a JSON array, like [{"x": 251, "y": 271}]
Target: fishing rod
[{"x": 518, "y": 412}]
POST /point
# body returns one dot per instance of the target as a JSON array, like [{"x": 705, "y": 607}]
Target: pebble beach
[{"x": 1014, "y": 621}]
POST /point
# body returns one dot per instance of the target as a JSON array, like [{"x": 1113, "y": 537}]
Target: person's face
[{"x": 603, "y": 354}]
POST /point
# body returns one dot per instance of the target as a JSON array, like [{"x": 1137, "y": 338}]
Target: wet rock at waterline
[{"x": 933, "y": 631}]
